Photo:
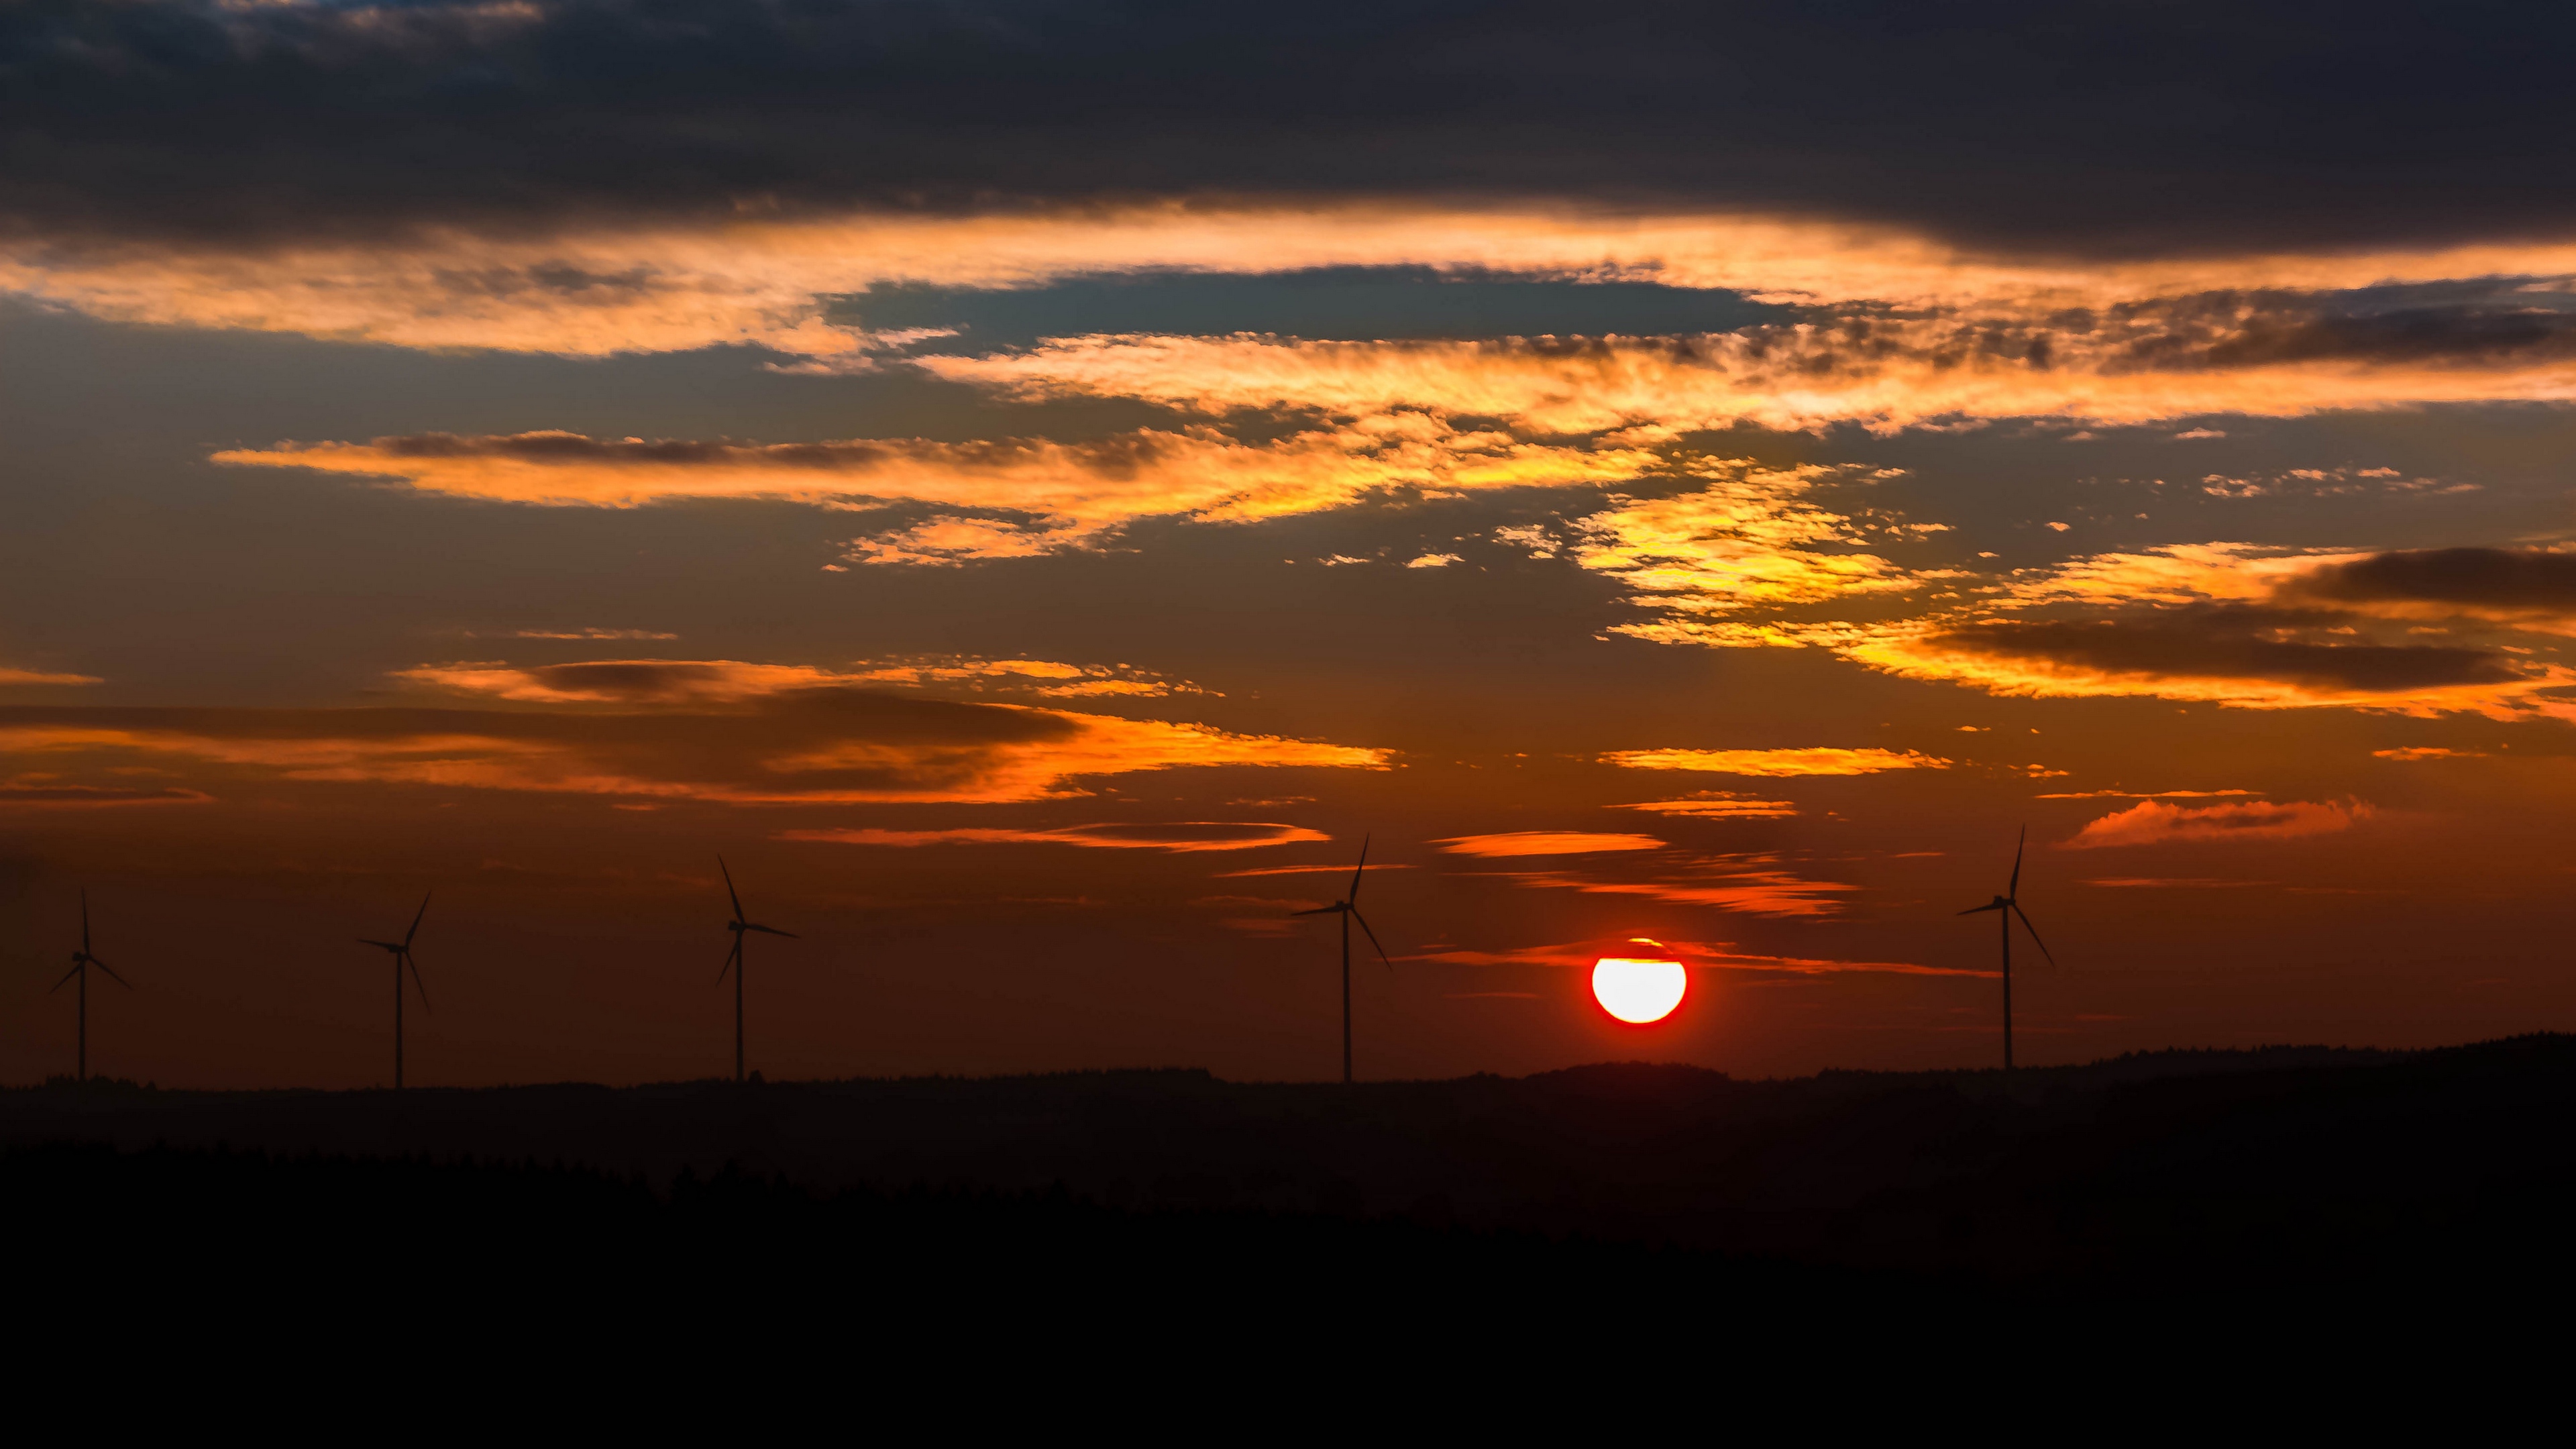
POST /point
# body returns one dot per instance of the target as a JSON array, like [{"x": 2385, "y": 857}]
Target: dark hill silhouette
[
  {"x": 2149, "y": 1169},
  {"x": 1850, "y": 1243}
]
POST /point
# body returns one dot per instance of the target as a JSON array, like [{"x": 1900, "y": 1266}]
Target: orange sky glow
[{"x": 1039, "y": 563}]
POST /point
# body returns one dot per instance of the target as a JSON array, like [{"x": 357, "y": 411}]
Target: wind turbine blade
[
  {"x": 730, "y": 957},
  {"x": 84, "y": 920},
  {"x": 1354, "y": 893},
  {"x": 2034, "y": 935},
  {"x": 415, "y": 919},
  {"x": 1318, "y": 911},
  {"x": 769, "y": 930},
  {"x": 67, "y": 979},
  {"x": 111, "y": 972},
  {"x": 419, "y": 985},
  {"x": 1372, "y": 935},
  {"x": 1977, "y": 910},
  {"x": 385, "y": 945},
  {"x": 730, "y": 893},
  {"x": 2013, "y": 891}
]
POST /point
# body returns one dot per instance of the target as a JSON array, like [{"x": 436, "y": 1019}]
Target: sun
[{"x": 1640, "y": 988}]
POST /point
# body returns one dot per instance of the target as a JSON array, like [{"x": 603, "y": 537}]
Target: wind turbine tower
[
  {"x": 82, "y": 960},
  {"x": 733, "y": 958},
  {"x": 1348, "y": 909},
  {"x": 401, "y": 952},
  {"x": 2007, "y": 906}
]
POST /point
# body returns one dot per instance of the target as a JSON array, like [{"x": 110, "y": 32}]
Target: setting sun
[{"x": 1639, "y": 989}]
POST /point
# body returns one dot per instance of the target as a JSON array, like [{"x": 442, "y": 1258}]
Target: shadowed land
[{"x": 2306, "y": 1169}]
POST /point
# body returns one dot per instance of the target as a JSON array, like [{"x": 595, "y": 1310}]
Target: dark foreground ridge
[{"x": 2290, "y": 1174}]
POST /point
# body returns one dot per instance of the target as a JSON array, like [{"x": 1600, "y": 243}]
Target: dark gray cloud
[
  {"x": 2202, "y": 331},
  {"x": 57, "y": 796},
  {"x": 2479, "y": 579},
  {"x": 2118, "y": 127},
  {"x": 2223, "y": 642},
  {"x": 833, "y": 738}
]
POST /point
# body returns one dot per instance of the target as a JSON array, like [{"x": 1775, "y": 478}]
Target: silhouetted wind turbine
[
  {"x": 402, "y": 961},
  {"x": 2009, "y": 903},
  {"x": 82, "y": 960},
  {"x": 1348, "y": 909},
  {"x": 733, "y": 959}
]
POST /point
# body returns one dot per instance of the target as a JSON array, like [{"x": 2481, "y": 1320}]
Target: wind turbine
[
  {"x": 1348, "y": 909},
  {"x": 2009, "y": 905},
  {"x": 401, "y": 951},
  {"x": 733, "y": 959},
  {"x": 82, "y": 960}
]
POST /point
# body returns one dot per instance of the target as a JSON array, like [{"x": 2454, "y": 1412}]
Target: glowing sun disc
[{"x": 1638, "y": 991}]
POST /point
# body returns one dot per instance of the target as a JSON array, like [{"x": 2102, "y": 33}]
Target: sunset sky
[{"x": 1034, "y": 484}]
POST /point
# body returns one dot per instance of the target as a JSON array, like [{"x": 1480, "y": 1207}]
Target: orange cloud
[
  {"x": 601, "y": 290},
  {"x": 2225, "y": 623},
  {"x": 1717, "y": 805},
  {"x": 1822, "y": 760},
  {"x": 1041, "y": 676},
  {"x": 804, "y": 747},
  {"x": 2214, "y": 660},
  {"x": 588, "y": 634},
  {"x": 2427, "y": 752},
  {"x": 2251, "y": 627},
  {"x": 623, "y": 681},
  {"x": 32, "y": 676},
  {"x": 1717, "y": 955},
  {"x": 1057, "y": 495},
  {"x": 715, "y": 681},
  {"x": 1748, "y": 539},
  {"x": 46, "y": 792},
  {"x": 1546, "y": 842},
  {"x": 1883, "y": 373},
  {"x": 2152, "y": 822},
  {"x": 2133, "y": 882},
  {"x": 1752, "y": 892},
  {"x": 1194, "y": 835},
  {"x": 2141, "y": 794},
  {"x": 1302, "y": 870}
]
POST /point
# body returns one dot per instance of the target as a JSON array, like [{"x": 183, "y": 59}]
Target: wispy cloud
[
  {"x": 49, "y": 793},
  {"x": 1192, "y": 835},
  {"x": 589, "y": 634},
  {"x": 683, "y": 681},
  {"x": 1051, "y": 678},
  {"x": 1717, "y": 805},
  {"x": 1751, "y": 892},
  {"x": 2256, "y": 628},
  {"x": 669, "y": 285},
  {"x": 1992, "y": 357},
  {"x": 797, "y": 747},
  {"x": 1546, "y": 842},
  {"x": 2413, "y": 753},
  {"x": 2141, "y": 794},
  {"x": 1749, "y": 539},
  {"x": 36, "y": 676},
  {"x": 1715, "y": 955},
  {"x": 1818, "y": 760},
  {"x": 1304, "y": 870},
  {"x": 623, "y": 681},
  {"x": 2137, "y": 882},
  {"x": 2152, "y": 822},
  {"x": 1022, "y": 496}
]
